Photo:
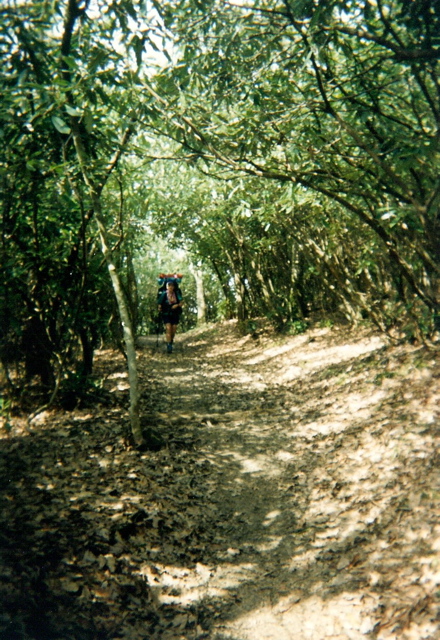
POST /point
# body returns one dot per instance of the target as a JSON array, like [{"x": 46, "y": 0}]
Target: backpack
[{"x": 162, "y": 280}]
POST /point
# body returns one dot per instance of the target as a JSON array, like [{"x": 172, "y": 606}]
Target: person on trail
[{"x": 170, "y": 304}]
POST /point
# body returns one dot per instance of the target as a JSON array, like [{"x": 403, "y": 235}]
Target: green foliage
[
  {"x": 248, "y": 327},
  {"x": 291, "y": 151},
  {"x": 296, "y": 327},
  {"x": 60, "y": 71},
  {"x": 337, "y": 102},
  {"x": 77, "y": 389}
]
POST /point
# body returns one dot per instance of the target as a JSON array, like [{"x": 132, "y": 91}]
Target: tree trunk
[
  {"x": 222, "y": 278},
  {"x": 95, "y": 195},
  {"x": 200, "y": 295},
  {"x": 127, "y": 329},
  {"x": 239, "y": 297},
  {"x": 239, "y": 291},
  {"x": 132, "y": 291},
  {"x": 74, "y": 10}
]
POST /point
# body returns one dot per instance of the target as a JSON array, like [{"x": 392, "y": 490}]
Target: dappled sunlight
[
  {"x": 342, "y": 414},
  {"x": 238, "y": 376},
  {"x": 270, "y": 544},
  {"x": 228, "y": 348},
  {"x": 323, "y": 357},
  {"x": 303, "y": 560},
  {"x": 258, "y": 464},
  {"x": 275, "y": 352},
  {"x": 347, "y": 615},
  {"x": 18, "y": 430},
  {"x": 186, "y": 585},
  {"x": 284, "y": 456},
  {"x": 373, "y": 464},
  {"x": 306, "y": 510},
  {"x": 345, "y": 525},
  {"x": 336, "y": 502},
  {"x": 312, "y": 346},
  {"x": 270, "y": 517},
  {"x": 122, "y": 381},
  {"x": 197, "y": 343}
]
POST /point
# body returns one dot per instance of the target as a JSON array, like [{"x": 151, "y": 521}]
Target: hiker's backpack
[{"x": 164, "y": 278}]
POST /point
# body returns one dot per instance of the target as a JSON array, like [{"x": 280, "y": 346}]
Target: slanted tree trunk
[
  {"x": 132, "y": 294},
  {"x": 73, "y": 11},
  {"x": 127, "y": 327},
  {"x": 129, "y": 340},
  {"x": 225, "y": 286}
]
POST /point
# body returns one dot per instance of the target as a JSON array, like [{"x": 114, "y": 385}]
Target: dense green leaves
[
  {"x": 291, "y": 147},
  {"x": 337, "y": 99},
  {"x": 67, "y": 70}
]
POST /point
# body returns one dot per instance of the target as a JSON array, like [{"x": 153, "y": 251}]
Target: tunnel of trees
[{"x": 289, "y": 147}]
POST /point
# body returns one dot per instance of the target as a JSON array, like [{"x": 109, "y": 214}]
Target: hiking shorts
[{"x": 172, "y": 317}]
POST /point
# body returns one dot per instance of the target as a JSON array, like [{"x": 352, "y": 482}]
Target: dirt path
[
  {"x": 319, "y": 455},
  {"x": 294, "y": 496}
]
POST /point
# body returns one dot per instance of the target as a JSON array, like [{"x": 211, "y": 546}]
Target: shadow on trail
[
  {"x": 262, "y": 507},
  {"x": 309, "y": 483}
]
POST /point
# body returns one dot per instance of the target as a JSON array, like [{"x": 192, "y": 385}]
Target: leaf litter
[{"x": 292, "y": 492}]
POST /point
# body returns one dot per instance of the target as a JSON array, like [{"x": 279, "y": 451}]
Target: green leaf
[
  {"x": 73, "y": 111},
  {"x": 60, "y": 125}
]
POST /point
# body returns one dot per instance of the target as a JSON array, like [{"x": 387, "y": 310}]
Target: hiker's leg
[
  {"x": 170, "y": 332},
  {"x": 169, "y": 336}
]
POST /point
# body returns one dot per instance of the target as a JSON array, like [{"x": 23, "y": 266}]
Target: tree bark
[
  {"x": 95, "y": 195},
  {"x": 129, "y": 339},
  {"x": 223, "y": 278},
  {"x": 200, "y": 295},
  {"x": 73, "y": 12}
]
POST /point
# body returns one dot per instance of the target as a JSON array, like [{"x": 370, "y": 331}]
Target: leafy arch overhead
[
  {"x": 292, "y": 148},
  {"x": 337, "y": 99}
]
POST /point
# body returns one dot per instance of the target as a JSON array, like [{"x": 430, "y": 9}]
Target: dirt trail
[
  {"x": 319, "y": 452},
  {"x": 294, "y": 496}
]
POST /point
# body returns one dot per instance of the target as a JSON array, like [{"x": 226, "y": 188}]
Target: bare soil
[{"x": 292, "y": 493}]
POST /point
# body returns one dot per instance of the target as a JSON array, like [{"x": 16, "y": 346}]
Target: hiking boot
[{"x": 169, "y": 347}]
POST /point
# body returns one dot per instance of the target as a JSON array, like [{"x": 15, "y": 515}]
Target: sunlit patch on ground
[
  {"x": 300, "y": 355},
  {"x": 296, "y": 508},
  {"x": 184, "y": 586},
  {"x": 344, "y": 617}
]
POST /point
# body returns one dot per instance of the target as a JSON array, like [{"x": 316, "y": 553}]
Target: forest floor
[{"x": 293, "y": 494}]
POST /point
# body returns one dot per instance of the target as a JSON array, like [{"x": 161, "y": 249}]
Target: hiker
[{"x": 170, "y": 304}]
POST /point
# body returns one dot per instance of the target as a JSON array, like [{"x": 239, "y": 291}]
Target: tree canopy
[
  {"x": 337, "y": 100},
  {"x": 290, "y": 147}
]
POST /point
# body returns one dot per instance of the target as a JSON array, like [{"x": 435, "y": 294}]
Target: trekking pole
[{"x": 158, "y": 328}]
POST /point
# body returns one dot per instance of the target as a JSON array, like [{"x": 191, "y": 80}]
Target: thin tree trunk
[
  {"x": 239, "y": 291},
  {"x": 225, "y": 288},
  {"x": 73, "y": 11},
  {"x": 126, "y": 326},
  {"x": 95, "y": 195},
  {"x": 200, "y": 295}
]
